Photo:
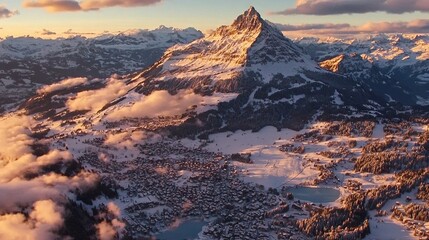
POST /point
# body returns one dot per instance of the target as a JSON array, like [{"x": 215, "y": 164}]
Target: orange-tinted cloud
[
  {"x": 53, "y": 5},
  {"x": 97, "y": 4},
  {"x": 330, "y": 7},
  {"x": 31, "y": 207},
  {"x": 84, "y": 5},
  {"x": 158, "y": 103},
  {"x": 415, "y": 26}
]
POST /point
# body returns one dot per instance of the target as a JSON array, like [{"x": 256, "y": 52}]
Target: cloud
[
  {"x": 41, "y": 222},
  {"x": 47, "y": 212},
  {"x": 96, "y": 99},
  {"x": 53, "y": 5},
  {"x": 17, "y": 193},
  {"x": 84, "y": 5},
  {"x": 331, "y": 7},
  {"x": 415, "y": 26},
  {"x": 288, "y": 27},
  {"x": 29, "y": 163},
  {"x": 128, "y": 140},
  {"x": 114, "y": 209},
  {"x": 64, "y": 84},
  {"x": 40, "y": 196},
  {"x": 108, "y": 230},
  {"x": 97, "y": 4},
  {"x": 71, "y": 32},
  {"x": 125, "y": 139},
  {"x": 159, "y": 103},
  {"x": 47, "y": 32},
  {"x": 6, "y": 13},
  {"x": 17, "y": 137}
]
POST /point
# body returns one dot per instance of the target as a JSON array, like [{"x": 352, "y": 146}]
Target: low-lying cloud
[
  {"x": 128, "y": 140},
  {"x": 96, "y": 99},
  {"x": 25, "y": 185},
  {"x": 44, "y": 219},
  {"x": 108, "y": 229},
  {"x": 332, "y": 7},
  {"x": 6, "y": 13},
  {"x": 159, "y": 103},
  {"x": 64, "y": 84},
  {"x": 84, "y": 5}
]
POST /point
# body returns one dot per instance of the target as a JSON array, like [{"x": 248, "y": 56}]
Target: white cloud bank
[
  {"x": 107, "y": 230},
  {"x": 158, "y": 103},
  {"x": 43, "y": 220},
  {"x": 64, "y": 84},
  {"x": 41, "y": 196},
  {"x": 96, "y": 99}
]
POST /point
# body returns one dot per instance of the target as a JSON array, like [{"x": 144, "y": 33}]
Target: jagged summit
[{"x": 249, "y": 20}]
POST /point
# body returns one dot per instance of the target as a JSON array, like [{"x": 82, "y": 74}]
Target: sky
[{"x": 60, "y": 18}]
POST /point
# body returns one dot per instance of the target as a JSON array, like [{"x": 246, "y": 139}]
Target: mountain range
[
  {"x": 218, "y": 128},
  {"x": 29, "y": 63},
  {"x": 394, "y": 66}
]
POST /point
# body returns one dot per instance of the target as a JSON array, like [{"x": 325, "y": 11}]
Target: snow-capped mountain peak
[{"x": 250, "y": 46}]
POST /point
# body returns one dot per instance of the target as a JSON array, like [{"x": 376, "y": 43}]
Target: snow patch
[{"x": 337, "y": 99}]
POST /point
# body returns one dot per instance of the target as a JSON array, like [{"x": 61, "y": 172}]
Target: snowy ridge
[
  {"x": 393, "y": 66},
  {"x": 162, "y": 37},
  {"x": 384, "y": 50}
]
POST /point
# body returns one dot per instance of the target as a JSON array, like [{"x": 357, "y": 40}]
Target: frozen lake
[
  {"x": 186, "y": 230},
  {"x": 315, "y": 195}
]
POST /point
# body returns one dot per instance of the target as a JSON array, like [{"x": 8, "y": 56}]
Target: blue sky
[{"x": 201, "y": 14}]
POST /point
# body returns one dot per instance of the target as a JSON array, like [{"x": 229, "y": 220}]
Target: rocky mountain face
[
  {"x": 28, "y": 63},
  {"x": 395, "y": 67}
]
